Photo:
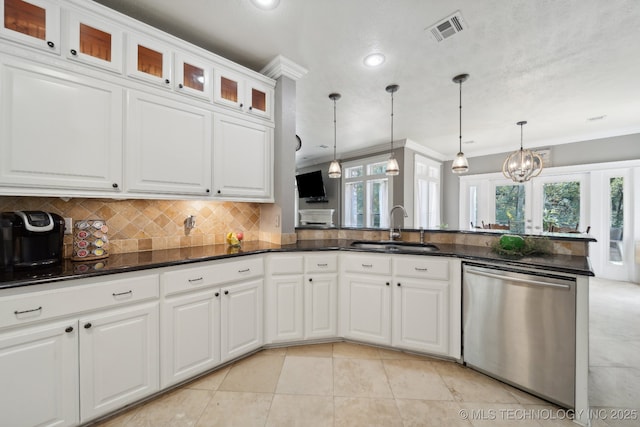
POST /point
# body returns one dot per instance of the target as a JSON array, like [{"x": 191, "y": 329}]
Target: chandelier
[{"x": 522, "y": 165}]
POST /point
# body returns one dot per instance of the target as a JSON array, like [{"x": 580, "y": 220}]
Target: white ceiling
[{"x": 552, "y": 63}]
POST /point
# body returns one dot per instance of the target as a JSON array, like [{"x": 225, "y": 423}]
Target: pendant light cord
[
  {"x": 460, "y": 117},
  {"x": 335, "y": 132},
  {"x": 521, "y": 124},
  {"x": 391, "y": 123}
]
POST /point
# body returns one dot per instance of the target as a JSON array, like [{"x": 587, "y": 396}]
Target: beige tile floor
[
  {"x": 340, "y": 384},
  {"x": 345, "y": 384}
]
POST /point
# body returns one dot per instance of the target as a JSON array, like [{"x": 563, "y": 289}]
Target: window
[
  {"x": 366, "y": 193},
  {"x": 510, "y": 206},
  {"x": 427, "y": 192},
  {"x": 616, "y": 218},
  {"x": 561, "y": 205}
]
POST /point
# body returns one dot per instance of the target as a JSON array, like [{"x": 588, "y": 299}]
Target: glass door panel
[
  {"x": 193, "y": 77},
  {"x": 258, "y": 100},
  {"x": 561, "y": 206},
  {"x": 378, "y": 204},
  {"x": 35, "y": 22},
  {"x": 354, "y": 204},
  {"x": 94, "y": 42},
  {"x": 510, "y": 207},
  {"x": 616, "y": 219},
  {"x": 149, "y": 61}
]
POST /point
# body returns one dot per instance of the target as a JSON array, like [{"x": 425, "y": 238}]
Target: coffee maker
[{"x": 30, "y": 239}]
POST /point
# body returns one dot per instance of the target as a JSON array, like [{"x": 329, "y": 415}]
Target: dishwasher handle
[{"x": 517, "y": 279}]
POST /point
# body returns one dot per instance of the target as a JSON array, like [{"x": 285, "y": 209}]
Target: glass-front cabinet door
[
  {"x": 95, "y": 42},
  {"x": 259, "y": 99},
  {"x": 229, "y": 89},
  {"x": 35, "y": 23},
  {"x": 149, "y": 60},
  {"x": 193, "y": 76}
]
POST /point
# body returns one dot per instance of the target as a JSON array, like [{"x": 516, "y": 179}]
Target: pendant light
[
  {"x": 522, "y": 165},
  {"x": 334, "y": 168},
  {"x": 392, "y": 163},
  {"x": 460, "y": 163}
]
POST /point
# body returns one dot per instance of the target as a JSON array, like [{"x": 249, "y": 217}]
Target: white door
[
  {"x": 193, "y": 76},
  {"x": 95, "y": 42},
  {"x": 34, "y": 23},
  {"x": 168, "y": 146},
  {"x": 190, "y": 341},
  {"x": 39, "y": 371},
  {"x": 229, "y": 89},
  {"x": 365, "y": 308},
  {"x": 241, "y": 322},
  {"x": 242, "y": 159},
  {"x": 119, "y": 360},
  {"x": 149, "y": 60},
  {"x": 59, "y": 130},
  {"x": 259, "y": 99},
  {"x": 420, "y": 315},
  {"x": 285, "y": 308},
  {"x": 320, "y": 302}
]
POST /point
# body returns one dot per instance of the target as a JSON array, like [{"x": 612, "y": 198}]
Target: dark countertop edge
[
  {"x": 462, "y": 252},
  {"x": 580, "y": 237}
]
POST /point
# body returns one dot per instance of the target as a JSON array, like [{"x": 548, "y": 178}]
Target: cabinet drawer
[
  {"x": 421, "y": 267},
  {"x": 77, "y": 296},
  {"x": 286, "y": 264},
  {"x": 367, "y": 264},
  {"x": 213, "y": 274},
  {"x": 321, "y": 263}
]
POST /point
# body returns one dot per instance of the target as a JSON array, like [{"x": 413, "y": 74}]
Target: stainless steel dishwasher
[{"x": 519, "y": 327}]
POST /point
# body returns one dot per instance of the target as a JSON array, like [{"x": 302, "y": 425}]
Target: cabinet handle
[
  {"x": 208, "y": 191},
  {"x": 226, "y": 292},
  {"x": 27, "y": 311},
  {"x": 367, "y": 265},
  {"x": 74, "y": 52},
  {"x": 69, "y": 329},
  {"x": 399, "y": 284},
  {"x": 246, "y": 270},
  {"x": 310, "y": 279},
  {"x": 51, "y": 44},
  {"x": 241, "y": 105},
  {"x": 250, "y": 108},
  {"x": 219, "y": 191},
  {"x": 195, "y": 280},
  {"x": 114, "y": 185},
  {"x": 167, "y": 81},
  {"x": 87, "y": 325},
  {"x": 322, "y": 265},
  {"x": 119, "y": 294},
  {"x": 421, "y": 269},
  {"x": 180, "y": 85},
  {"x": 388, "y": 283},
  {"x": 217, "y": 294}
]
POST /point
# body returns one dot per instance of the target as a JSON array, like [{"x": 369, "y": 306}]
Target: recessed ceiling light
[
  {"x": 266, "y": 4},
  {"x": 471, "y": 141},
  {"x": 596, "y": 118},
  {"x": 374, "y": 59}
]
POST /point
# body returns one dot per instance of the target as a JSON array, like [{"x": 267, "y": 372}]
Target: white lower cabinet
[
  {"x": 119, "y": 358},
  {"x": 190, "y": 335},
  {"x": 241, "y": 322},
  {"x": 39, "y": 371},
  {"x": 365, "y": 298},
  {"x": 284, "y": 298},
  {"x": 321, "y": 296}
]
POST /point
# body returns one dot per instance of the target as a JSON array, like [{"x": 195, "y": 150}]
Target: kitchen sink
[{"x": 394, "y": 246}]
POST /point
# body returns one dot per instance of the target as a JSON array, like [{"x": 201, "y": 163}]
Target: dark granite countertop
[{"x": 136, "y": 261}]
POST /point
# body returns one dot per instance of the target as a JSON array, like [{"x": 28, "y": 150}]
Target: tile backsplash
[{"x": 140, "y": 225}]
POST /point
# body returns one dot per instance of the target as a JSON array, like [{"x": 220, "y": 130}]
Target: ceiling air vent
[{"x": 447, "y": 27}]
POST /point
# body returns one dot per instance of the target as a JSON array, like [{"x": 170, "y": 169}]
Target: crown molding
[{"x": 281, "y": 66}]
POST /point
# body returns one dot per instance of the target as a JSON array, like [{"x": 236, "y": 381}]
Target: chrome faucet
[{"x": 393, "y": 234}]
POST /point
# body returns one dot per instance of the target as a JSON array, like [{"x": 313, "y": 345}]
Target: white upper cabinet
[
  {"x": 242, "y": 159},
  {"x": 168, "y": 146},
  {"x": 243, "y": 94},
  {"x": 193, "y": 76},
  {"x": 59, "y": 130},
  {"x": 95, "y": 41},
  {"x": 34, "y": 23},
  {"x": 149, "y": 60}
]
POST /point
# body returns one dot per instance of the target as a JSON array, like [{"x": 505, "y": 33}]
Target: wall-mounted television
[{"x": 311, "y": 186}]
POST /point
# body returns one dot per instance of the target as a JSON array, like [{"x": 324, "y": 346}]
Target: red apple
[{"x": 240, "y": 236}]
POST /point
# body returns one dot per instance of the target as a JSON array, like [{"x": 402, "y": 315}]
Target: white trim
[{"x": 281, "y": 66}]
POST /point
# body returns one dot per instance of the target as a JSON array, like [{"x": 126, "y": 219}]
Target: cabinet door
[
  {"x": 365, "y": 304},
  {"x": 168, "y": 146},
  {"x": 148, "y": 60},
  {"x": 242, "y": 159},
  {"x": 95, "y": 42},
  {"x": 420, "y": 315},
  {"x": 190, "y": 341},
  {"x": 228, "y": 89},
  {"x": 118, "y": 358},
  {"x": 259, "y": 99},
  {"x": 39, "y": 371},
  {"x": 284, "y": 306},
  {"x": 35, "y": 23},
  {"x": 193, "y": 76},
  {"x": 241, "y": 322},
  {"x": 320, "y": 306},
  {"x": 59, "y": 130}
]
